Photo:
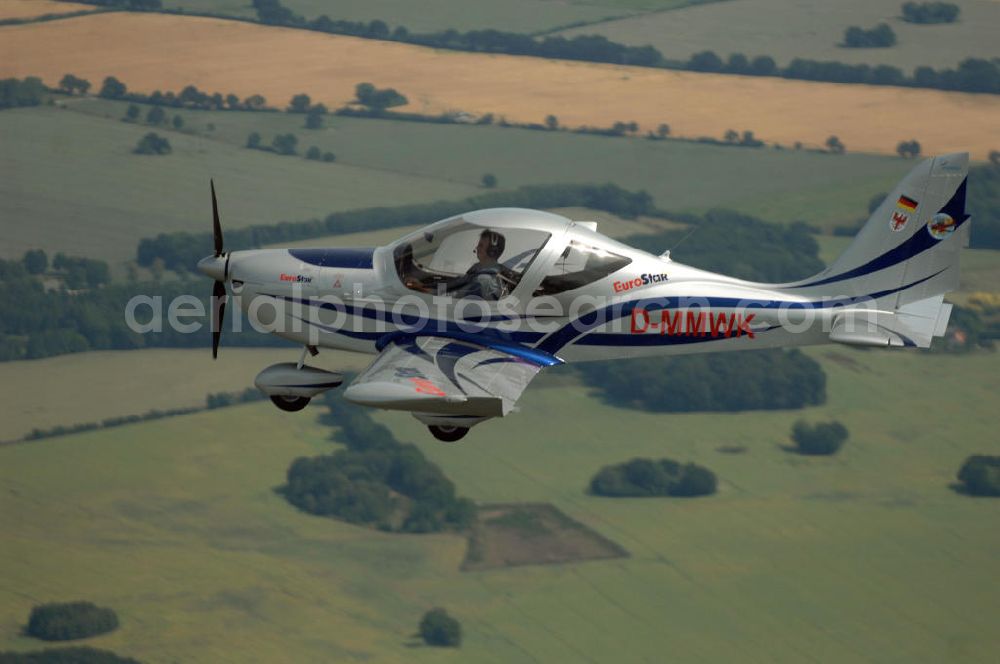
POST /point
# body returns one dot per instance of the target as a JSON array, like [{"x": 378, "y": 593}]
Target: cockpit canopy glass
[
  {"x": 466, "y": 260},
  {"x": 580, "y": 264}
]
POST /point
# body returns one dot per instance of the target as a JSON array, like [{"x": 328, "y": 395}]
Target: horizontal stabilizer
[{"x": 914, "y": 324}]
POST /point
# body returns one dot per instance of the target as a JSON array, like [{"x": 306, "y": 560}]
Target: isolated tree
[
  {"x": 313, "y": 153},
  {"x": 35, "y": 261},
  {"x": 329, "y": 157},
  {"x": 439, "y": 629},
  {"x": 112, "y": 88},
  {"x": 253, "y": 141},
  {"x": 314, "y": 119},
  {"x": 285, "y": 144},
  {"x": 178, "y": 122},
  {"x": 489, "y": 180},
  {"x": 821, "y": 439},
  {"x": 156, "y": 116},
  {"x": 300, "y": 103},
  {"x": 980, "y": 475},
  {"x": 68, "y": 621},
  {"x": 152, "y": 144},
  {"x": 132, "y": 113},
  {"x": 881, "y": 36},
  {"x": 834, "y": 145},
  {"x": 71, "y": 84},
  {"x": 663, "y": 130},
  {"x": 908, "y": 149},
  {"x": 731, "y": 136},
  {"x": 551, "y": 122}
]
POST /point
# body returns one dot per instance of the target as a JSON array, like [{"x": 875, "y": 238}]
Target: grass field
[
  {"x": 526, "y": 16},
  {"x": 90, "y": 387},
  {"x": 105, "y": 198},
  {"x": 34, "y": 8},
  {"x": 809, "y": 29},
  {"x": 151, "y": 51},
  {"x": 435, "y": 15},
  {"x": 72, "y": 184},
  {"x": 782, "y": 185},
  {"x": 868, "y": 556}
]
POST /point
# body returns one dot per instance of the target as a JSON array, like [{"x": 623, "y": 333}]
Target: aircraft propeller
[{"x": 219, "y": 294}]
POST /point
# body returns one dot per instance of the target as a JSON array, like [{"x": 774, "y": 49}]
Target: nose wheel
[
  {"x": 290, "y": 404},
  {"x": 448, "y": 434}
]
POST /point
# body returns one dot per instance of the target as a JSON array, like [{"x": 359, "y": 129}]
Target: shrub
[
  {"x": 489, "y": 180},
  {"x": 153, "y": 144},
  {"x": 930, "y": 12},
  {"x": 821, "y": 439},
  {"x": 439, "y": 629},
  {"x": 73, "y": 620},
  {"x": 980, "y": 475},
  {"x": 646, "y": 477},
  {"x": 881, "y": 36}
]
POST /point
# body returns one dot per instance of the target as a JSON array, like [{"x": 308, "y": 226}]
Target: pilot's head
[{"x": 490, "y": 247}]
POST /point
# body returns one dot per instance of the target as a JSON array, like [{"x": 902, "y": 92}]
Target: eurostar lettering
[
  {"x": 642, "y": 280},
  {"x": 692, "y": 323},
  {"x": 297, "y": 278}
]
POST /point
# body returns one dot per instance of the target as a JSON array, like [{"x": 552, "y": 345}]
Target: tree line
[
  {"x": 930, "y": 12},
  {"x": 376, "y": 480},
  {"x": 770, "y": 379},
  {"x": 972, "y": 75},
  {"x": 15, "y": 92},
  {"x": 189, "y": 97}
]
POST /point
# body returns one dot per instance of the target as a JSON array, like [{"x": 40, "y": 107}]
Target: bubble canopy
[{"x": 491, "y": 248}]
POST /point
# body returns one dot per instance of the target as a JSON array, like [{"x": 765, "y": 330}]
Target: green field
[
  {"x": 70, "y": 183},
  {"x": 809, "y": 29},
  {"x": 868, "y": 556},
  {"x": 73, "y": 185},
  {"x": 528, "y": 16}
]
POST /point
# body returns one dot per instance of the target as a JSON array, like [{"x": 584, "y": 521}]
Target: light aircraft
[{"x": 463, "y": 313}]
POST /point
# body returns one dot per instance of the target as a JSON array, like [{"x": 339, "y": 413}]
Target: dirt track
[{"x": 154, "y": 51}]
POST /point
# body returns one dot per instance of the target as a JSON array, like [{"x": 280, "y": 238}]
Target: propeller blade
[
  {"x": 218, "y": 315},
  {"x": 216, "y": 225}
]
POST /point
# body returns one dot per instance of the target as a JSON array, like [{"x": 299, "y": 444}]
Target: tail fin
[{"x": 905, "y": 258}]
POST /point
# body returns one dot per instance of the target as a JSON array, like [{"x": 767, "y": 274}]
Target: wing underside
[{"x": 444, "y": 376}]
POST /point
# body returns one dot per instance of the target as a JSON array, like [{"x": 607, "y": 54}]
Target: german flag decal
[{"x": 907, "y": 203}]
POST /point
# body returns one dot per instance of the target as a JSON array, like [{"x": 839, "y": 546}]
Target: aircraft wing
[{"x": 444, "y": 375}]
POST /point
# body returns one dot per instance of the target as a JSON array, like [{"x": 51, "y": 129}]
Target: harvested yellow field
[
  {"x": 151, "y": 51},
  {"x": 34, "y": 8}
]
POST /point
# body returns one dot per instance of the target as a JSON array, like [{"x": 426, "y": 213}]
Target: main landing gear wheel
[
  {"x": 290, "y": 404},
  {"x": 448, "y": 434}
]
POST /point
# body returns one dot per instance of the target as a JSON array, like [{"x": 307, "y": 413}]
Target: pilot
[{"x": 485, "y": 278}]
